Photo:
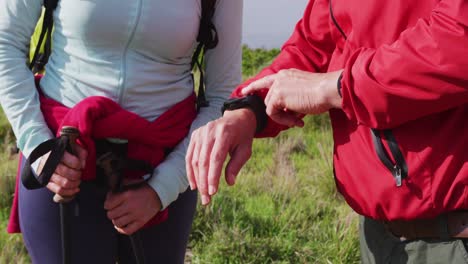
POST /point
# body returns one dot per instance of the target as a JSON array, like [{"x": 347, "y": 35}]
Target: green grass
[
  {"x": 12, "y": 247},
  {"x": 284, "y": 207}
]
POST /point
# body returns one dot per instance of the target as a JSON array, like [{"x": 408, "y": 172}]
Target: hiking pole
[
  {"x": 114, "y": 176},
  {"x": 137, "y": 246},
  {"x": 72, "y": 133}
]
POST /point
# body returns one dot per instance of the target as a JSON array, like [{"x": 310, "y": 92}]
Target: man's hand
[
  {"x": 66, "y": 178},
  {"x": 294, "y": 92},
  {"x": 209, "y": 146},
  {"x": 132, "y": 209}
]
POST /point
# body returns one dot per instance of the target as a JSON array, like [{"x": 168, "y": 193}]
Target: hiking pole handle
[{"x": 72, "y": 133}]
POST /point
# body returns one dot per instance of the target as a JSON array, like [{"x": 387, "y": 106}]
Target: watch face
[
  {"x": 235, "y": 103},
  {"x": 254, "y": 102}
]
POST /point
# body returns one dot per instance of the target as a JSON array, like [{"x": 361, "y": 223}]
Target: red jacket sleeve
[
  {"x": 309, "y": 49},
  {"x": 424, "y": 72}
]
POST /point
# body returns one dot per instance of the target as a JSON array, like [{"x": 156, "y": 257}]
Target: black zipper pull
[{"x": 399, "y": 169}]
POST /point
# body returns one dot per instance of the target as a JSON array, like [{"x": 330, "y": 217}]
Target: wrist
[
  {"x": 154, "y": 195},
  {"x": 242, "y": 117},
  {"x": 162, "y": 192},
  {"x": 254, "y": 103},
  {"x": 334, "y": 89},
  {"x": 156, "y": 198}
]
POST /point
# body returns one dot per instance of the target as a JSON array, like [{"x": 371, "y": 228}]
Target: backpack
[{"x": 207, "y": 39}]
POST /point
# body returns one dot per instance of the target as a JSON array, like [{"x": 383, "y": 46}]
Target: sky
[{"x": 269, "y": 23}]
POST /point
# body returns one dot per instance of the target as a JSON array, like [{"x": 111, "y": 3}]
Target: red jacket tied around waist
[{"x": 99, "y": 117}]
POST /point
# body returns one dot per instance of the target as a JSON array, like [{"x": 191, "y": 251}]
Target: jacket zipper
[
  {"x": 332, "y": 16},
  {"x": 123, "y": 66},
  {"x": 399, "y": 169}
]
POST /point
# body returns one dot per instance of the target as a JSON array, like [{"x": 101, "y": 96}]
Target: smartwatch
[{"x": 254, "y": 103}]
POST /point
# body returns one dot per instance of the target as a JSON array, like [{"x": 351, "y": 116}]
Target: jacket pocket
[{"x": 394, "y": 161}]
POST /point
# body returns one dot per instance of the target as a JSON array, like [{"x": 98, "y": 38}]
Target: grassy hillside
[
  {"x": 12, "y": 250},
  {"x": 283, "y": 209}
]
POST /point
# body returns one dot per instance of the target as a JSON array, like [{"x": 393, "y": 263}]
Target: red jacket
[
  {"x": 405, "y": 70},
  {"x": 98, "y": 117}
]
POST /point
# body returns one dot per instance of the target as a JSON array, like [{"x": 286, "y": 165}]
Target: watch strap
[{"x": 254, "y": 103}]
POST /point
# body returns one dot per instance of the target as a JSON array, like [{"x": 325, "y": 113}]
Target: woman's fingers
[
  {"x": 63, "y": 182},
  {"x": 71, "y": 161},
  {"x": 66, "y": 179},
  {"x": 217, "y": 157},
  {"x": 131, "y": 209},
  {"x": 199, "y": 161},
  {"x": 55, "y": 185},
  {"x": 68, "y": 173},
  {"x": 188, "y": 161},
  {"x": 130, "y": 228},
  {"x": 127, "y": 224},
  {"x": 210, "y": 146},
  {"x": 117, "y": 212},
  {"x": 123, "y": 221},
  {"x": 204, "y": 162},
  {"x": 239, "y": 157},
  {"x": 114, "y": 200},
  {"x": 196, "y": 160},
  {"x": 214, "y": 142}
]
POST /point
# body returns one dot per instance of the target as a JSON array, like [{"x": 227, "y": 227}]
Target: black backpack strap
[
  {"x": 39, "y": 60},
  {"x": 207, "y": 39}
]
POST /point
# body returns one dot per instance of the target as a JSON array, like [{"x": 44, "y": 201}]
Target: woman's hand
[
  {"x": 66, "y": 178},
  {"x": 209, "y": 146},
  {"x": 132, "y": 209},
  {"x": 293, "y": 92}
]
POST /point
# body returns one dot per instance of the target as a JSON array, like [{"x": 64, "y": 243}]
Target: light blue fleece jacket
[{"x": 137, "y": 53}]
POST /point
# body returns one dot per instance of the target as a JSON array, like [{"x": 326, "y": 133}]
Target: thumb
[
  {"x": 287, "y": 118},
  {"x": 239, "y": 157}
]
